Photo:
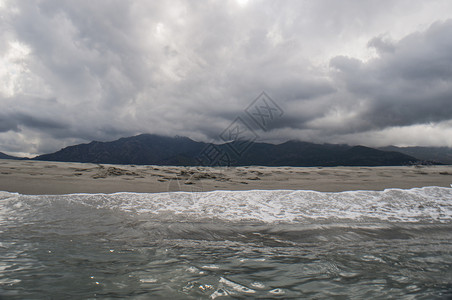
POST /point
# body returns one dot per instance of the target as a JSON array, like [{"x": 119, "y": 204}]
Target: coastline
[{"x": 53, "y": 178}]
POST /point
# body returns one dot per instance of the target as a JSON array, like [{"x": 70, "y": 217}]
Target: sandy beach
[{"x": 38, "y": 177}]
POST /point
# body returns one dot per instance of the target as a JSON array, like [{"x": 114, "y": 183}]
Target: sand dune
[{"x": 38, "y": 177}]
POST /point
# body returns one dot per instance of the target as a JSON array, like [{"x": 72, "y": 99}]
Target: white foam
[
  {"x": 258, "y": 285},
  {"x": 210, "y": 267},
  {"x": 428, "y": 204},
  {"x": 236, "y": 287}
]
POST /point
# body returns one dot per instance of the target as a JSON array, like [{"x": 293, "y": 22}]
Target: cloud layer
[{"x": 360, "y": 72}]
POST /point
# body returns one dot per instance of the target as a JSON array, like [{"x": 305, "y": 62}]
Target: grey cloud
[
  {"x": 381, "y": 45},
  {"x": 40, "y": 123},
  {"x": 8, "y": 123},
  {"x": 404, "y": 86},
  {"x": 99, "y": 70},
  {"x": 32, "y": 112}
]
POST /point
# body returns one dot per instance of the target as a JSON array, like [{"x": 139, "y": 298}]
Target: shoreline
[{"x": 56, "y": 178}]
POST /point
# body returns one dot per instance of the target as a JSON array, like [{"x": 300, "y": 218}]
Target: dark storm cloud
[
  {"x": 40, "y": 123},
  {"x": 409, "y": 83},
  {"x": 98, "y": 70},
  {"x": 36, "y": 113},
  {"x": 8, "y": 123}
]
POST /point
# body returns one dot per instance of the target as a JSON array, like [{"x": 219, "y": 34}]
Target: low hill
[
  {"x": 6, "y": 156},
  {"x": 437, "y": 154}
]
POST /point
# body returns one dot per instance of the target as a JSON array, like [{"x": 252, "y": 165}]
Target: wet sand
[{"x": 38, "y": 177}]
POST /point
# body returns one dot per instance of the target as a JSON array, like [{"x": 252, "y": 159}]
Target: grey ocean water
[{"x": 393, "y": 244}]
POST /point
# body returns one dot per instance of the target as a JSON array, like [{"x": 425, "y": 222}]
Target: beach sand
[{"x": 39, "y": 177}]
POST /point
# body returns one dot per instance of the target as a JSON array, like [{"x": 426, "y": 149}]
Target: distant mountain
[
  {"x": 294, "y": 153},
  {"x": 437, "y": 154},
  {"x": 147, "y": 149},
  {"x": 6, "y": 156}
]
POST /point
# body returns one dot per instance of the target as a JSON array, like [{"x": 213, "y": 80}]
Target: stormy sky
[{"x": 360, "y": 72}]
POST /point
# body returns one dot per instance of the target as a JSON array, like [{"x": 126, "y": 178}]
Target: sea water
[{"x": 392, "y": 244}]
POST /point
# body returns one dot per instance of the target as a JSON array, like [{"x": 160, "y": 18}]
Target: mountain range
[{"x": 149, "y": 149}]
